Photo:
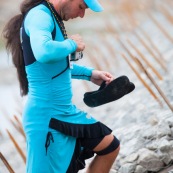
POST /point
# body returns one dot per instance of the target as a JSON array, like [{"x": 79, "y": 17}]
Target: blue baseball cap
[{"x": 94, "y": 5}]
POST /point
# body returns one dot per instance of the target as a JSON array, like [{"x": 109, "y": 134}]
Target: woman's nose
[{"x": 82, "y": 13}]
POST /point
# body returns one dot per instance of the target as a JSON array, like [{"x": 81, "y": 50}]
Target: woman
[{"x": 59, "y": 135}]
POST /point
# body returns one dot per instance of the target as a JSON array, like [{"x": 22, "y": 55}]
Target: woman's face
[{"x": 71, "y": 9}]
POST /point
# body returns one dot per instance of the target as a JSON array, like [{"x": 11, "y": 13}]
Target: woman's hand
[
  {"x": 98, "y": 77},
  {"x": 80, "y": 44}
]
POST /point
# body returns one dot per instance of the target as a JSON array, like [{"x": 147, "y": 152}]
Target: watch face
[{"x": 76, "y": 56}]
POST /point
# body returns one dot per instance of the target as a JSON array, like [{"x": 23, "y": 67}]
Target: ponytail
[{"x": 11, "y": 33}]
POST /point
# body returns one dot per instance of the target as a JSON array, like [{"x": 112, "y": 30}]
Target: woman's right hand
[{"x": 80, "y": 44}]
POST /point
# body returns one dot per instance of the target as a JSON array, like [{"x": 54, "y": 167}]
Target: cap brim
[{"x": 94, "y": 5}]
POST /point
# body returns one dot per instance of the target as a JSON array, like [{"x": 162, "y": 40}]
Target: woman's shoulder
[
  {"x": 39, "y": 9},
  {"x": 37, "y": 15}
]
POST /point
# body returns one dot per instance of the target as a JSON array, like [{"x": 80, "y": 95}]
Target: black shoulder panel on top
[{"x": 26, "y": 45}]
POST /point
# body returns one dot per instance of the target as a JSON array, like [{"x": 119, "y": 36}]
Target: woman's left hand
[{"x": 98, "y": 77}]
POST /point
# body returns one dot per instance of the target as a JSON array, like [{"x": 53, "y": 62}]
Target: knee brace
[{"x": 110, "y": 148}]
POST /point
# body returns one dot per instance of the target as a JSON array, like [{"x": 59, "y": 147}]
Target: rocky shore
[{"x": 143, "y": 124}]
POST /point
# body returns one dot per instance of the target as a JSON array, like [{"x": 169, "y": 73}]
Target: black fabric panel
[
  {"x": 26, "y": 45},
  {"x": 79, "y": 156},
  {"x": 113, "y": 146},
  {"x": 80, "y": 130},
  {"x": 91, "y": 143},
  {"x": 27, "y": 51}
]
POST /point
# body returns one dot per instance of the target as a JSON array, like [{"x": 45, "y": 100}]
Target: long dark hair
[{"x": 11, "y": 33}]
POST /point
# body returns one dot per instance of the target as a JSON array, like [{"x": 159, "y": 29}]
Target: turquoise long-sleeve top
[{"x": 49, "y": 97}]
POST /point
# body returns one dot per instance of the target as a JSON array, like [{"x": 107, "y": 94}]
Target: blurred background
[{"x": 132, "y": 38}]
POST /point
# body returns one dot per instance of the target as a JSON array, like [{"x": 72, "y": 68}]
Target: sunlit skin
[{"x": 70, "y": 9}]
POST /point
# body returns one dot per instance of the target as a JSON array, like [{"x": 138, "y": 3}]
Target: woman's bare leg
[{"x": 103, "y": 163}]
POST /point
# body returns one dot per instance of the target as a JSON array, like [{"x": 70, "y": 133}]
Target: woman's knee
[{"x": 109, "y": 144}]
